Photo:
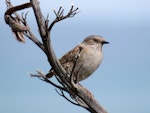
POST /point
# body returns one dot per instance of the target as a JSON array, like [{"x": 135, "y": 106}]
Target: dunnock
[{"x": 84, "y": 59}]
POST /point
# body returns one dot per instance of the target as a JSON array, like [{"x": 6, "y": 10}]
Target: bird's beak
[{"x": 105, "y": 42}]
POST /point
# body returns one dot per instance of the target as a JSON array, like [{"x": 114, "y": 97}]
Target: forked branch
[
  {"x": 19, "y": 24},
  {"x": 77, "y": 92},
  {"x": 60, "y": 15}
]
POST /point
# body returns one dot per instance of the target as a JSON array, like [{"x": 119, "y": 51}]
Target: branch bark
[{"x": 78, "y": 93}]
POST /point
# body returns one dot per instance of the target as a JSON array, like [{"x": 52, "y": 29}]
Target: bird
[{"x": 84, "y": 59}]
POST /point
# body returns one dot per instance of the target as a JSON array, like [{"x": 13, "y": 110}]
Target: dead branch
[
  {"x": 78, "y": 93},
  {"x": 21, "y": 25},
  {"x": 61, "y": 93},
  {"x": 60, "y": 15}
]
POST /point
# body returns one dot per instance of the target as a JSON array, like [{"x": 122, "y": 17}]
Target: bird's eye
[{"x": 95, "y": 40}]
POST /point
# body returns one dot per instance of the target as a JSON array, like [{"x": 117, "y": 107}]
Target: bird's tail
[{"x": 50, "y": 74}]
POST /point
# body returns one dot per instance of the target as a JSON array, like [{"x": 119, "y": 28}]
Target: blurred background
[{"x": 121, "y": 84}]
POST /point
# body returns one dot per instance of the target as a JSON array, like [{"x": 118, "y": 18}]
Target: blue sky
[{"x": 121, "y": 84}]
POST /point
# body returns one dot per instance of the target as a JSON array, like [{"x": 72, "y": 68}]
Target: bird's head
[{"x": 95, "y": 41}]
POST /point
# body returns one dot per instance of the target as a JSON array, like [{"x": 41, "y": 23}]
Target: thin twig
[
  {"x": 59, "y": 80},
  {"x": 35, "y": 40},
  {"x": 63, "y": 95},
  {"x": 80, "y": 94},
  {"x": 59, "y": 15},
  {"x": 42, "y": 77}
]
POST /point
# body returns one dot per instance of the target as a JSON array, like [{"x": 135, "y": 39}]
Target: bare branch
[
  {"x": 39, "y": 18},
  {"x": 47, "y": 21},
  {"x": 35, "y": 40},
  {"x": 60, "y": 81},
  {"x": 63, "y": 95},
  {"x": 42, "y": 77},
  {"x": 60, "y": 16},
  {"x": 16, "y": 23},
  {"x": 23, "y": 27},
  {"x": 24, "y": 17},
  {"x": 67, "y": 82},
  {"x": 12, "y": 9}
]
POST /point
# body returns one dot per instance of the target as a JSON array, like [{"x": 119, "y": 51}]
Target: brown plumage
[{"x": 85, "y": 58}]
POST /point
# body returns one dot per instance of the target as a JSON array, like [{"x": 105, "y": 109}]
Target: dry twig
[{"x": 66, "y": 83}]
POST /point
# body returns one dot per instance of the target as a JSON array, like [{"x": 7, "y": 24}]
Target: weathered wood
[{"x": 77, "y": 92}]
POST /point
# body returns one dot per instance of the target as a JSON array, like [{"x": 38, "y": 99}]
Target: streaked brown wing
[
  {"x": 67, "y": 61},
  {"x": 71, "y": 55}
]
